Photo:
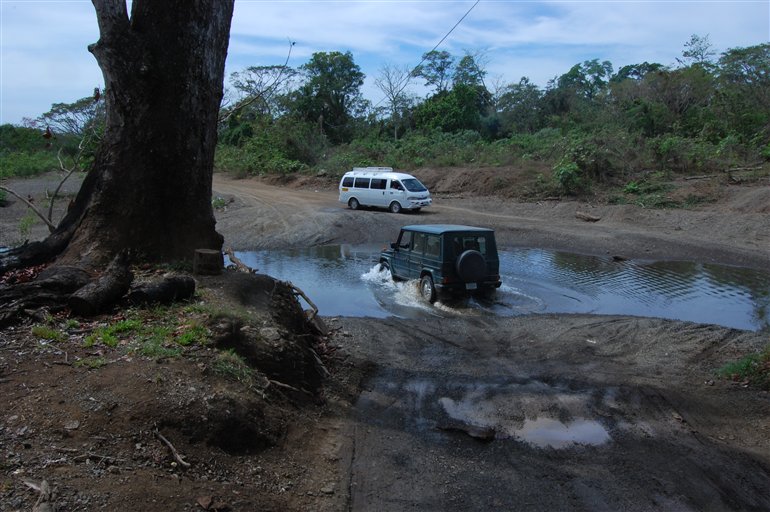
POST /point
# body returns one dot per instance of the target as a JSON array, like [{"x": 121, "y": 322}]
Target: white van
[{"x": 381, "y": 187}]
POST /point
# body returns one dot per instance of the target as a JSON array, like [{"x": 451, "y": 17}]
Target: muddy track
[{"x": 530, "y": 414}]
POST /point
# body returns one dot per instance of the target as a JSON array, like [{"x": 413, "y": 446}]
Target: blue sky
[{"x": 44, "y": 56}]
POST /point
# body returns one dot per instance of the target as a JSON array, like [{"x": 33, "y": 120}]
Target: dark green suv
[{"x": 447, "y": 259}]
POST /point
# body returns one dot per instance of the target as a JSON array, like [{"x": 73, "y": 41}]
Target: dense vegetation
[{"x": 591, "y": 125}]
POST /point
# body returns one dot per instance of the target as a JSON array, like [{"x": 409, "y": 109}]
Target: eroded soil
[{"x": 543, "y": 412}]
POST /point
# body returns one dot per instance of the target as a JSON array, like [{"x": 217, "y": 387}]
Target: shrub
[
  {"x": 753, "y": 369},
  {"x": 569, "y": 176}
]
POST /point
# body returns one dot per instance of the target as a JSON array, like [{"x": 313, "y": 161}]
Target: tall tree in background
[
  {"x": 436, "y": 70},
  {"x": 150, "y": 186},
  {"x": 391, "y": 81},
  {"x": 331, "y": 94}
]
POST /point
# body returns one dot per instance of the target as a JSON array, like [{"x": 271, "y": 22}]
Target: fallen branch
[
  {"x": 50, "y": 225},
  {"x": 174, "y": 453},
  {"x": 46, "y": 495},
  {"x": 287, "y": 386},
  {"x": 238, "y": 263},
  {"x": 299, "y": 292},
  {"x": 101, "y": 458},
  {"x": 587, "y": 217}
]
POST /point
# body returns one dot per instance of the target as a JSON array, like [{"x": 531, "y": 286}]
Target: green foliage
[
  {"x": 631, "y": 187},
  {"x": 569, "y": 176},
  {"x": 331, "y": 94},
  {"x": 436, "y": 70},
  {"x": 22, "y": 163},
  {"x": 753, "y": 369},
  {"x": 455, "y": 110},
  {"x": 47, "y": 333},
  {"x": 685, "y": 154}
]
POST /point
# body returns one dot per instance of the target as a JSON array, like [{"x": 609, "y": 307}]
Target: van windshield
[{"x": 414, "y": 185}]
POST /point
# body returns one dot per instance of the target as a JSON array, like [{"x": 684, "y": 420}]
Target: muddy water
[{"x": 344, "y": 280}]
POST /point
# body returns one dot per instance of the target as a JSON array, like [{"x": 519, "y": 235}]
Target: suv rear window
[{"x": 462, "y": 243}]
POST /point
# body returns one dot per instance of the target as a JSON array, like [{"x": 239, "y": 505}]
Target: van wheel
[
  {"x": 395, "y": 207},
  {"x": 353, "y": 203},
  {"x": 427, "y": 290}
]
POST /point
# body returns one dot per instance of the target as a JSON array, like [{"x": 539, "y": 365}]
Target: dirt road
[
  {"x": 734, "y": 232},
  {"x": 536, "y": 413}
]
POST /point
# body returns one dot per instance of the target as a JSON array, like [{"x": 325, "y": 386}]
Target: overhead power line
[{"x": 406, "y": 81}]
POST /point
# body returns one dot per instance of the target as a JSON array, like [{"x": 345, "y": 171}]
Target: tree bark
[
  {"x": 149, "y": 190},
  {"x": 104, "y": 291},
  {"x": 163, "y": 72}
]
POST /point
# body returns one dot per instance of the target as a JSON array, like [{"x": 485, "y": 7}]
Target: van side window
[
  {"x": 362, "y": 183},
  {"x": 433, "y": 247},
  {"x": 396, "y": 185},
  {"x": 379, "y": 183},
  {"x": 347, "y": 182}
]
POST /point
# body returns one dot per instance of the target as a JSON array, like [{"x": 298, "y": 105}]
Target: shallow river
[{"x": 344, "y": 280}]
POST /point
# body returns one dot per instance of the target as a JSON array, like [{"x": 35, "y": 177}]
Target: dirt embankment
[{"x": 543, "y": 412}]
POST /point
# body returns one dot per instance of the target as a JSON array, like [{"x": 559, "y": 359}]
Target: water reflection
[{"x": 344, "y": 280}]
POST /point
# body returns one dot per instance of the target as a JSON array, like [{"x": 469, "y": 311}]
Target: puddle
[
  {"x": 344, "y": 280},
  {"x": 534, "y": 412},
  {"x": 551, "y": 433},
  {"x": 527, "y": 412}
]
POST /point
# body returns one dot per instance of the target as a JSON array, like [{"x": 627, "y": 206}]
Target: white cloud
[{"x": 45, "y": 58}]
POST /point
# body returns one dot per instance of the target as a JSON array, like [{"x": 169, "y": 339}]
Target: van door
[
  {"x": 378, "y": 192},
  {"x": 396, "y": 192}
]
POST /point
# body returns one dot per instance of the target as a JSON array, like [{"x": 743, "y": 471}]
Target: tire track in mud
[{"x": 437, "y": 388}]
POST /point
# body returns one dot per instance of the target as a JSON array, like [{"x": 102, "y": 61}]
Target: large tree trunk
[
  {"x": 163, "y": 72},
  {"x": 149, "y": 191}
]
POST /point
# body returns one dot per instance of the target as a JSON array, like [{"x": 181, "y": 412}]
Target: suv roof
[{"x": 437, "y": 229}]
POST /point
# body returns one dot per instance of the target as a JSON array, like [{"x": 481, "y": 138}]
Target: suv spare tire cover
[{"x": 471, "y": 266}]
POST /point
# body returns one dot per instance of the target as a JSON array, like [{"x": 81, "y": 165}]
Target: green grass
[
  {"x": 112, "y": 334},
  {"x": 230, "y": 365},
  {"x": 754, "y": 369},
  {"x": 48, "y": 333},
  {"x": 194, "y": 334},
  {"x": 90, "y": 362}
]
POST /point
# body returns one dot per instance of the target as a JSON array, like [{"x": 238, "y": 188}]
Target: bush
[
  {"x": 569, "y": 176},
  {"x": 753, "y": 369},
  {"x": 24, "y": 164}
]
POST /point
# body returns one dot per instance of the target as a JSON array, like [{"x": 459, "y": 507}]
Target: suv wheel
[
  {"x": 395, "y": 207},
  {"x": 471, "y": 266},
  {"x": 427, "y": 290}
]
